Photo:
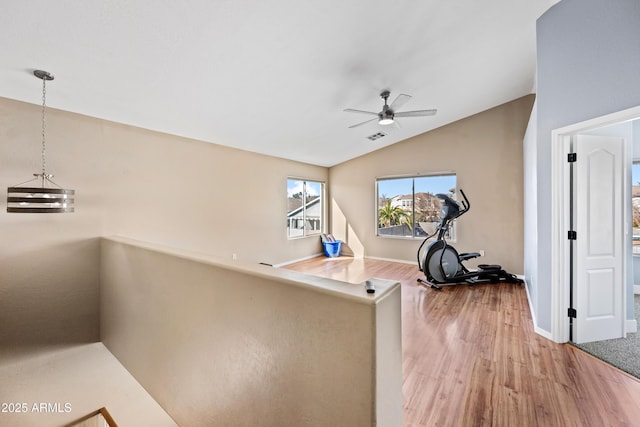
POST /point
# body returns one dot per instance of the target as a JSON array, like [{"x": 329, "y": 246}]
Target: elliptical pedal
[
  {"x": 489, "y": 267},
  {"x": 429, "y": 284}
]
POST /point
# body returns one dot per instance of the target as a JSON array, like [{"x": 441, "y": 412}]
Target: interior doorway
[{"x": 562, "y": 221}]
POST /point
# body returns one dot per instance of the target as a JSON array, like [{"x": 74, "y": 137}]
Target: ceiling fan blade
[
  {"x": 351, "y": 110},
  {"x": 417, "y": 113},
  {"x": 399, "y": 101},
  {"x": 362, "y": 123}
]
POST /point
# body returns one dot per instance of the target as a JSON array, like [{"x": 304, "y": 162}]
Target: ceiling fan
[{"x": 388, "y": 113}]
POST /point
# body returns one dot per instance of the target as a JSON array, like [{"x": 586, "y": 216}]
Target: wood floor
[{"x": 471, "y": 358}]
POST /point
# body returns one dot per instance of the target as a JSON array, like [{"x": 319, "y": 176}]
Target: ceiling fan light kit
[
  {"x": 385, "y": 117},
  {"x": 389, "y": 112},
  {"x": 49, "y": 197}
]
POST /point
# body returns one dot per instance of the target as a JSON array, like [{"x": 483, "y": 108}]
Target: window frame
[
  {"x": 452, "y": 231},
  {"x": 323, "y": 209}
]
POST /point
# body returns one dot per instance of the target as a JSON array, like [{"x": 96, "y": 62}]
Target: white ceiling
[{"x": 271, "y": 77}]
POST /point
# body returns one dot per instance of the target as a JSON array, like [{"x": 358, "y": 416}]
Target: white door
[{"x": 599, "y": 279}]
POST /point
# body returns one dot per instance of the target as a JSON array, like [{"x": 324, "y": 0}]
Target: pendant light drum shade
[
  {"x": 39, "y": 200},
  {"x": 49, "y": 197}
]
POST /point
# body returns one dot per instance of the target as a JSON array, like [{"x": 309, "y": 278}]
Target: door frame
[{"x": 560, "y": 220}]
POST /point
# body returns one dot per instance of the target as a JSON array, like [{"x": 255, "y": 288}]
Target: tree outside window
[{"x": 409, "y": 207}]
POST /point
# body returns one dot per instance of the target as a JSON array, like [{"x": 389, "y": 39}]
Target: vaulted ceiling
[{"x": 271, "y": 77}]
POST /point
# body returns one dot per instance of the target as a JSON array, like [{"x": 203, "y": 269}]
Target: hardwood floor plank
[
  {"x": 472, "y": 358},
  {"x": 476, "y": 405}
]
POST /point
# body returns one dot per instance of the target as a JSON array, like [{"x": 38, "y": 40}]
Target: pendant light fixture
[{"x": 49, "y": 197}]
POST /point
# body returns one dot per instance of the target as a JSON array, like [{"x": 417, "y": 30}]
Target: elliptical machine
[{"x": 443, "y": 265}]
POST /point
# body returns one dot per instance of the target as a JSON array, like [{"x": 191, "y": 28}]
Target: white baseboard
[
  {"x": 401, "y": 261},
  {"x": 630, "y": 326},
  {"x": 282, "y": 264},
  {"x": 542, "y": 332}
]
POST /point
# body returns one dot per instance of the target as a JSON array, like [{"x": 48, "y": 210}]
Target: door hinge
[
  {"x": 572, "y": 157},
  {"x": 572, "y": 235},
  {"x": 572, "y": 313}
]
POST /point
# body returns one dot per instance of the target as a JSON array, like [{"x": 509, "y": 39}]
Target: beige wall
[
  {"x": 228, "y": 343},
  {"x": 200, "y": 196},
  {"x": 129, "y": 181},
  {"x": 133, "y": 182},
  {"x": 485, "y": 152}
]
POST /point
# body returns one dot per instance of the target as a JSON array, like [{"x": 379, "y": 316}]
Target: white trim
[
  {"x": 636, "y": 289},
  {"x": 282, "y": 264},
  {"x": 559, "y": 247},
  {"x": 630, "y": 326},
  {"x": 415, "y": 175},
  {"x": 536, "y": 329},
  {"x": 401, "y": 261},
  {"x": 543, "y": 333},
  {"x": 324, "y": 220},
  {"x": 560, "y": 138}
]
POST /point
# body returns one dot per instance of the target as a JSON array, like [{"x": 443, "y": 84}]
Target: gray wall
[
  {"x": 529, "y": 166},
  {"x": 588, "y": 62}
]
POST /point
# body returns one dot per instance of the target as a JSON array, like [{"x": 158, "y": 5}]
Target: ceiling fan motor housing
[
  {"x": 386, "y": 114},
  {"x": 385, "y": 117}
]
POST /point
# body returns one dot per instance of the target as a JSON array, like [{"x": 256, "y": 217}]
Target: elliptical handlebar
[
  {"x": 443, "y": 226},
  {"x": 466, "y": 205},
  {"x": 453, "y": 208}
]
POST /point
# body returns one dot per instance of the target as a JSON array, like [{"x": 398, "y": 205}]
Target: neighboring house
[
  {"x": 427, "y": 215},
  {"x": 427, "y": 205},
  {"x": 404, "y": 201},
  {"x": 302, "y": 218}
]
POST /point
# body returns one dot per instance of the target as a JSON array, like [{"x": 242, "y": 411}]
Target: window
[
  {"x": 408, "y": 207},
  {"x": 305, "y": 212},
  {"x": 635, "y": 206}
]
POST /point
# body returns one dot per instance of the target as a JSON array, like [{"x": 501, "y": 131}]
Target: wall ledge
[{"x": 355, "y": 292}]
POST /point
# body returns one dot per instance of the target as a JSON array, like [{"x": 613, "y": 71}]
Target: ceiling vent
[{"x": 376, "y": 136}]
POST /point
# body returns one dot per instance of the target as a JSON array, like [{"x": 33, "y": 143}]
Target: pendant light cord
[
  {"x": 44, "y": 125},
  {"x": 46, "y": 198}
]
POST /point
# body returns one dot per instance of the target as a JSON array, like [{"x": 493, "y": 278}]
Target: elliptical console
[{"x": 443, "y": 265}]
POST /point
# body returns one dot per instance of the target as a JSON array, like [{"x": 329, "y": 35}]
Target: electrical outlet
[{"x": 234, "y": 257}]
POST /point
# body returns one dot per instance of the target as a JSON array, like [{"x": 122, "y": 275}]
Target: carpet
[{"x": 623, "y": 353}]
